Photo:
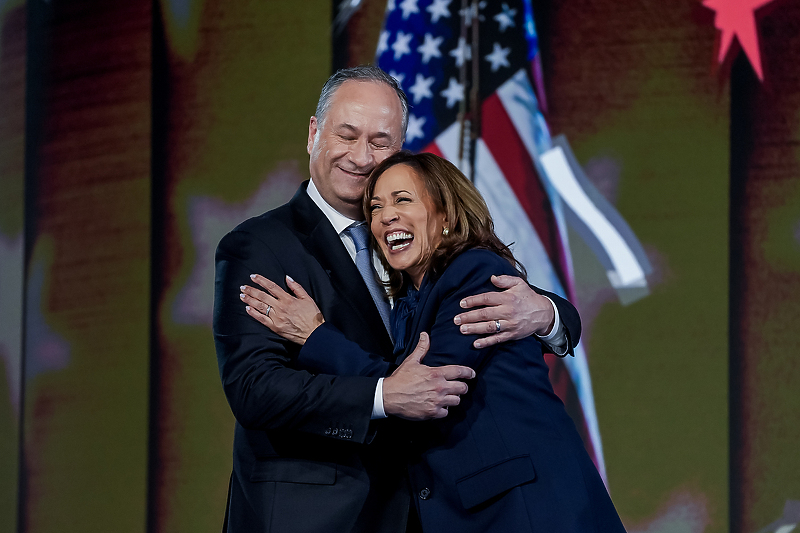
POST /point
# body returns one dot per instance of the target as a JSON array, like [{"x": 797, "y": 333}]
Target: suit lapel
[
  {"x": 322, "y": 241},
  {"x": 425, "y": 291}
]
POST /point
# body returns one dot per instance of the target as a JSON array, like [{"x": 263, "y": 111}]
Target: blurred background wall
[{"x": 134, "y": 134}]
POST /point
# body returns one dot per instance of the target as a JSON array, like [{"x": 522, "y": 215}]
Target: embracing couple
[{"x": 365, "y": 398}]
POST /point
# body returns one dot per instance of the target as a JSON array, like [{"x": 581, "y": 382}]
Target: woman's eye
[
  {"x": 403, "y": 199},
  {"x": 373, "y": 207}
]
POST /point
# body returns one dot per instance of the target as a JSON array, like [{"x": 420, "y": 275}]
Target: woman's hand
[{"x": 292, "y": 317}]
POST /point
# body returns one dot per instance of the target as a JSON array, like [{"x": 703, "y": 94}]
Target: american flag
[{"x": 474, "y": 103}]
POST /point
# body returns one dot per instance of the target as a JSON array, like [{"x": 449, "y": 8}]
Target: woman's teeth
[{"x": 399, "y": 240}]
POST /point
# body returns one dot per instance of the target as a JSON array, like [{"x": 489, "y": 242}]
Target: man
[{"x": 312, "y": 451}]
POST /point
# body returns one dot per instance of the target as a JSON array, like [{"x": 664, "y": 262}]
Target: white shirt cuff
[
  {"x": 377, "y": 404},
  {"x": 557, "y": 338}
]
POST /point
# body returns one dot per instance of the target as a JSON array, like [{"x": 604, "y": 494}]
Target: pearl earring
[{"x": 445, "y": 231}]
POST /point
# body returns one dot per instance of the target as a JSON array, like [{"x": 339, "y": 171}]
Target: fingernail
[
  {"x": 241, "y": 287},
  {"x": 289, "y": 278},
  {"x": 463, "y": 329},
  {"x": 463, "y": 303},
  {"x": 247, "y": 307},
  {"x": 241, "y": 296},
  {"x": 252, "y": 276},
  {"x": 478, "y": 344},
  {"x": 457, "y": 320}
]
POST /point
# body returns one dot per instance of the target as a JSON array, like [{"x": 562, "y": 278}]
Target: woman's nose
[{"x": 388, "y": 215}]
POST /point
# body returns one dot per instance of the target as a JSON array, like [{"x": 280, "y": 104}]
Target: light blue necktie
[{"x": 360, "y": 237}]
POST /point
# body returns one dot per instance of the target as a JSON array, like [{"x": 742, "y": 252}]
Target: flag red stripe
[
  {"x": 505, "y": 144},
  {"x": 564, "y": 388},
  {"x": 433, "y": 148}
]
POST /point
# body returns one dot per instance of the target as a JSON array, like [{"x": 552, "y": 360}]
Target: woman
[{"x": 508, "y": 458}]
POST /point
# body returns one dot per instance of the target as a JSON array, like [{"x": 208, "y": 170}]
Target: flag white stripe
[
  {"x": 626, "y": 267},
  {"x": 520, "y": 103}
]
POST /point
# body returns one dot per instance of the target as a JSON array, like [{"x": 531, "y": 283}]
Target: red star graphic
[{"x": 737, "y": 18}]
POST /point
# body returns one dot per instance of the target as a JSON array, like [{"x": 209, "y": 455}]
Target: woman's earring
[{"x": 445, "y": 231}]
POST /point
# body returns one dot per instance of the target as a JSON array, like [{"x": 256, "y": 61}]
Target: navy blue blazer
[
  {"x": 301, "y": 458},
  {"x": 508, "y": 458}
]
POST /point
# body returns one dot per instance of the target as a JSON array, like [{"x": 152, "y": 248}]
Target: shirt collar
[{"x": 337, "y": 220}]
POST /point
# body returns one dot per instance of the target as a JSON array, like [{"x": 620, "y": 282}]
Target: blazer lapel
[
  {"x": 322, "y": 241},
  {"x": 416, "y": 327}
]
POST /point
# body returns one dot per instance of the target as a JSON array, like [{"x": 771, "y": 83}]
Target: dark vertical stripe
[
  {"x": 340, "y": 57},
  {"x": 158, "y": 165},
  {"x": 743, "y": 81},
  {"x": 39, "y": 22}
]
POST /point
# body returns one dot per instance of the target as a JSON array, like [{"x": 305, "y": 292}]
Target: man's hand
[
  {"x": 518, "y": 308},
  {"x": 292, "y": 317},
  {"x": 418, "y": 392}
]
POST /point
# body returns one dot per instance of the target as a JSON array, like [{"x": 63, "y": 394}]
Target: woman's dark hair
[{"x": 469, "y": 222}]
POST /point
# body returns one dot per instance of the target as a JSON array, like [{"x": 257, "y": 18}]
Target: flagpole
[
  {"x": 462, "y": 75},
  {"x": 475, "y": 105}
]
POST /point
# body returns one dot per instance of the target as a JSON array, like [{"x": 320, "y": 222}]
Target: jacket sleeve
[
  {"x": 469, "y": 274},
  {"x": 570, "y": 318},
  {"x": 264, "y": 386},
  {"x": 314, "y": 357}
]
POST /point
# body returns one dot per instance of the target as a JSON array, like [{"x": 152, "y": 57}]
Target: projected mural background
[{"x": 134, "y": 135}]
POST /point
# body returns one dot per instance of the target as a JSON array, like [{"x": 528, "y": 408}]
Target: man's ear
[{"x": 313, "y": 126}]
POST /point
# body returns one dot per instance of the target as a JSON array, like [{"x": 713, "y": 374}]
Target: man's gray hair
[{"x": 360, "y": 73}]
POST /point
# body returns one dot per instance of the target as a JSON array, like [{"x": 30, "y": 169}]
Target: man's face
[{"x": 362, "y": 127}]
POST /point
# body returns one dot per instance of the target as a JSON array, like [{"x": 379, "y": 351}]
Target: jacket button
[{"x": 424, "y": 494}]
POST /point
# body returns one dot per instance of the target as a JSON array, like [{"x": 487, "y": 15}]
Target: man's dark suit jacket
[
  {"x": 508, "y": 457},
  {"x": 306, "y": 455}
]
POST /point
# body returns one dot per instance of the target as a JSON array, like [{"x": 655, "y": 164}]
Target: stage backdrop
[{"x": 133, "y": 135}]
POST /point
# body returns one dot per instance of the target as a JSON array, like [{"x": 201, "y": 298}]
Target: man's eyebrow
[
  {"x": 353, "y": 129},
  {"x": 346, "y": 126}
]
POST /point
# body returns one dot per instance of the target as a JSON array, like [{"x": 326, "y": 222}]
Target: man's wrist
[
  {"x": 557, "y": 338},
  {"x": 377, "y": 404}
]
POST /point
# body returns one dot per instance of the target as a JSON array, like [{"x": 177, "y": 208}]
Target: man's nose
[{"x": 361, "y": 154}]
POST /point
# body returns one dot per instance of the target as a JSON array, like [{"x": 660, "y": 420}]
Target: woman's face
[{"x": 404, "y": 221}]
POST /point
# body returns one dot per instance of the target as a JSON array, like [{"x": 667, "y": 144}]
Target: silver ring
[
  {"x": 269, "y": 308},
  {"x": 497, "y": 326}
]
